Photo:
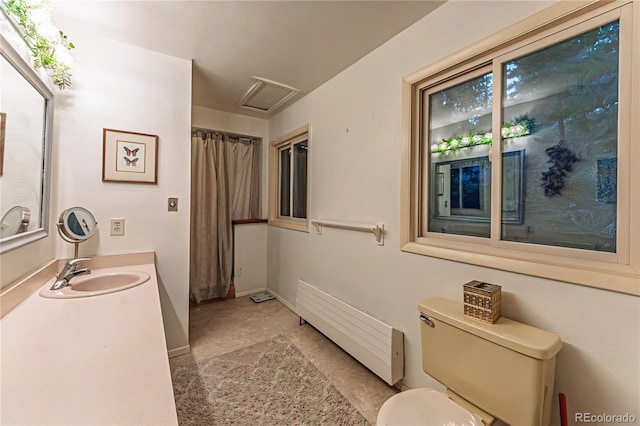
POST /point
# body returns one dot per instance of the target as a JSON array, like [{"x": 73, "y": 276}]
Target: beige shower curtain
[{"x": 225, "y": 186}]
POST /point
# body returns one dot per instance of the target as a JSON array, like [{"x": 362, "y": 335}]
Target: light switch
[{"x": 173, "y": 204}]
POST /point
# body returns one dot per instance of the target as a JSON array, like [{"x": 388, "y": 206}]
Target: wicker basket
[{"x": 482, "y": 301}]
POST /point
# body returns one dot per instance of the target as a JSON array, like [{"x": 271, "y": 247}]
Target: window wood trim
[
  {"x": 274, "y": 219},
  {"x": 618, "y": 271}
]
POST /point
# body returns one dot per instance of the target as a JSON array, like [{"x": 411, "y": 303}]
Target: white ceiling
[{"x": 298, "y": 43}]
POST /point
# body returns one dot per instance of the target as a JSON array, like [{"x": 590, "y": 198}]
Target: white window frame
[
  {"x": 288, "y": 140},
  {"x": 618, "y": 271}
]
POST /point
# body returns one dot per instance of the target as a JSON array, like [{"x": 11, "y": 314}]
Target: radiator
[{"x": 375, "y": 344}]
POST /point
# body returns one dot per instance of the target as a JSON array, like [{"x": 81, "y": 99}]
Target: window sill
[
  {"x": 296, "y": 225},
  {"x": 623, "y": 279},
  {"x": 247, "y": 221}
]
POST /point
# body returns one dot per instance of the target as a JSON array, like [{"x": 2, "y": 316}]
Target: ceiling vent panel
[{"x": 266, "y": 96}]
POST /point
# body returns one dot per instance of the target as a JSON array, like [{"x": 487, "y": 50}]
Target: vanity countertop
[{"x": 87, "y": 361}]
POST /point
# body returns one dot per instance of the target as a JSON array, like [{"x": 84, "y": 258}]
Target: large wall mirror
[
  {"x": 26, "y": 113},
  {"x": 462, "y": 188}
]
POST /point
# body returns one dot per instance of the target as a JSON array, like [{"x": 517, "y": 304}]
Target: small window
[
  {"x": 288, "y": 177},
  {"x": 519, "y": 156},
  {"x": 458, "y": 118}
]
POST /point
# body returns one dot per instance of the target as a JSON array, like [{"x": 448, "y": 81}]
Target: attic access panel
[{"x": 266, "y": 96}]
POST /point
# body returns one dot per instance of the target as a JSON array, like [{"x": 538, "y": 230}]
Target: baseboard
[
  {"x": 179, "y": 351},
  {"x": 250, "y": 292},
  {"x": 283, "y": 301}
]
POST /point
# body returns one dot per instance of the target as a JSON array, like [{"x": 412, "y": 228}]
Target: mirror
[
  {"x": 76, "y": 224},
  {"x": 26, "y": 111},
  {"x": 15, "y": 221},
  {"x": 462, "y": 188}
]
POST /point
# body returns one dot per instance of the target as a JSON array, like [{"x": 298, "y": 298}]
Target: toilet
[{"x": 495, "y": 371}]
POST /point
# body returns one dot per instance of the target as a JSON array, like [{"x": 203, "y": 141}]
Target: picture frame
[{"x": 129, "y": 157}]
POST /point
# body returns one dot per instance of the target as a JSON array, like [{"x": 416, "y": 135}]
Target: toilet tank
[{"x": 506, "y": 368}]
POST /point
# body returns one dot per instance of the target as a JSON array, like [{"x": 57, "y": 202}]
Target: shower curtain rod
[{"x": 233, "y": 135}]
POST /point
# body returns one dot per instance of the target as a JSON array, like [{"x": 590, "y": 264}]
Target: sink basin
[{"x": 96, "y": 284}]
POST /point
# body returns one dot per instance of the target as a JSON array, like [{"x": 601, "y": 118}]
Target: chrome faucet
[{"x": 69, "y": 271}]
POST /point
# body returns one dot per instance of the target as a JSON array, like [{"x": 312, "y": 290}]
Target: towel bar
[{"x": 376, "y": 229}]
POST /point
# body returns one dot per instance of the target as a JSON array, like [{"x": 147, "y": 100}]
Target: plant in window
[
  {"x": 562, "y": 159},
  {"x": 49, "y": 46}
]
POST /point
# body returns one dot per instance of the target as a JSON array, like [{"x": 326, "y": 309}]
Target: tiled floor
[{"x": 221, "y": 327}]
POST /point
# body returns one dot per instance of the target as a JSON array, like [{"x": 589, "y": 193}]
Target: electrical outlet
[
  {"x": 117, "y": 226},
  {"x": 240, "y": 272}
]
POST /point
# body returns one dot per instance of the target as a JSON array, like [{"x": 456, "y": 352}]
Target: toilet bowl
[{"x": 424, "y": 406}]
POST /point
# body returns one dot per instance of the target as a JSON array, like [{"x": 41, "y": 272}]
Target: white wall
[
  {"x": 213, "y": 119},
  {"x": 119, "y": 86},
  {"x": 250, "y": 258},
  {"x": 355, "y": 176}
]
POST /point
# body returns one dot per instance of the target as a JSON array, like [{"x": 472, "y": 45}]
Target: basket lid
[{"x": 517, "y": 336}]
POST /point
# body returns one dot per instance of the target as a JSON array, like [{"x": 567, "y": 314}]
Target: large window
[
  {"x": 288, "y": 177},
  {"x": 522, "y": 156}
]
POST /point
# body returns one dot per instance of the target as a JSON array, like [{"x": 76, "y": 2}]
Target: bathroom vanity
[{"x": 88, "y": 360}]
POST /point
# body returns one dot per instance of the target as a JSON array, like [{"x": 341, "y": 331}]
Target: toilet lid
[{"x": 424, "y": 406}]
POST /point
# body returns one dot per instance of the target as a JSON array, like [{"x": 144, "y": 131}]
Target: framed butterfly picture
[{"x": 129, "y": 157}]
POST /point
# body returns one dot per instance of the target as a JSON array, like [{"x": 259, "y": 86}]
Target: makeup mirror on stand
[
  {"x": 15, "y": 221},
  {"x": 75, "y": 225}
]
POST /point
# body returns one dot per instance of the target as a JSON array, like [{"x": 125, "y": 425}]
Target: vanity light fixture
[
  {"x": 266, "y": 96},
  {"x": 521, "y": 126}
]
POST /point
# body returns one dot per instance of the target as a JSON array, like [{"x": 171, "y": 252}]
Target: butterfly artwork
[
  {"x": 131, "y": 152},
  {"x": 129, "y": 157},
  {"x": 130, "y": 162}
]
